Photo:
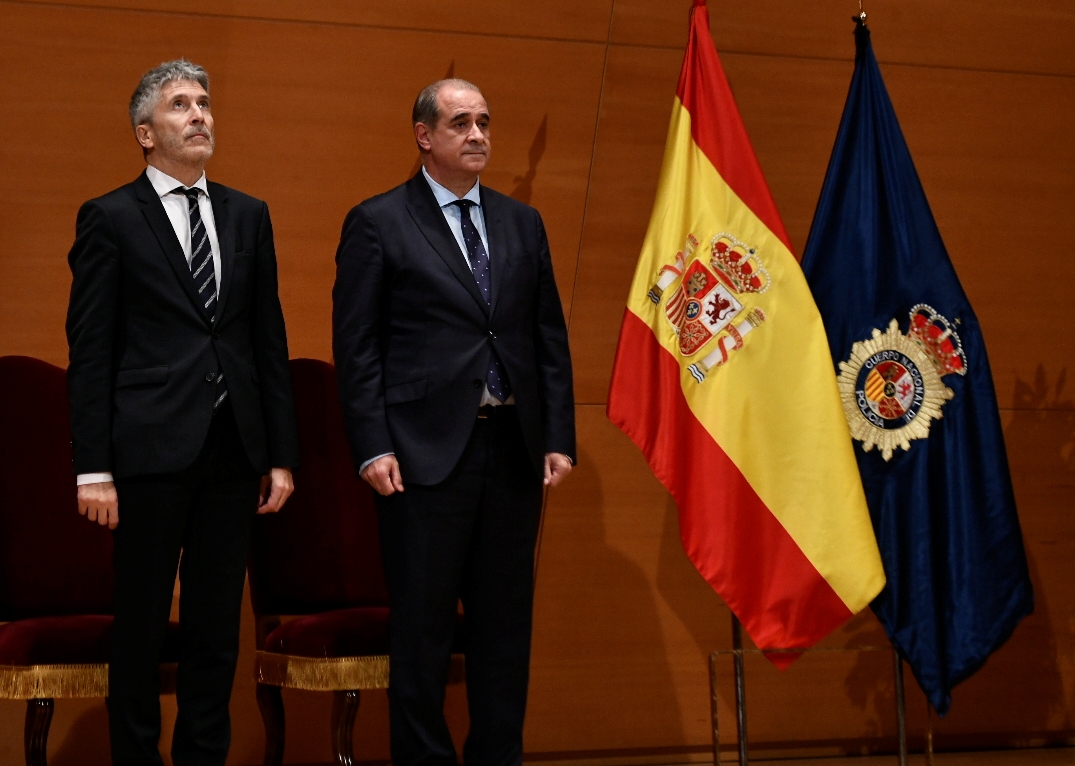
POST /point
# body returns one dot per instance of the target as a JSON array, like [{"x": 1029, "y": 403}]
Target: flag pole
[
  {"x": 901, "y": 708},
  {"x": 713, "y": 707},
  {"x": 740, "y": 690},
  {"x": 929, "y": 733}
]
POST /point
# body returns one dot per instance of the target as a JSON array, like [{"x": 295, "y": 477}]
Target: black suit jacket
[
  {"x": 141, "y": 348},
  {"x": 412, "y": 335}
]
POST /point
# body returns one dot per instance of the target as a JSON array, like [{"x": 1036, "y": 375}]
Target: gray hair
[
  {"x": 426, "y": 110},
  {"x": 148, "y": 92}
]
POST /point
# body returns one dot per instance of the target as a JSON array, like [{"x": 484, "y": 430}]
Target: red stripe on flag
[
  {"x": 717, "y": 127},
  {"x": 729, "y": 534}
]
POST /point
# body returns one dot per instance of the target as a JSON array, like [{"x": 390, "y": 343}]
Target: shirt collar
[
  {"x": 446, "y": 197},
  {"x": 164, "y": 184}
]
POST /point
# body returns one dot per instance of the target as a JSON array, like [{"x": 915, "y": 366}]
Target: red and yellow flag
[{"x": 723, "y": 379}]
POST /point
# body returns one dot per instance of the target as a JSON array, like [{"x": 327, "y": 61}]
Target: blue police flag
[{"x": 919, "y": 399}]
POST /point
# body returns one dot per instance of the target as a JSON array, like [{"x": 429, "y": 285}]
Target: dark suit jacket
[
  {"x": 141, "y": 348},
  {"x": 412, "y": 335}
]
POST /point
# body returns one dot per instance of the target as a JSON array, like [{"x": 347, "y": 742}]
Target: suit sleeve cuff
[
  {"x": 92, "y": 478},
  {"x": 365, "y": 465}
]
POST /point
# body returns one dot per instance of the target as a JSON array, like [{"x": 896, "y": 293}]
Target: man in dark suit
[
  {"x": 181, "y": 411},
  {"x": 455, "y": 379}
]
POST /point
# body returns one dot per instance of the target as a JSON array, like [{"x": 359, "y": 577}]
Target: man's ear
[
  {"x": 421, "y": 135},
  {"x": 144, "y": 136}
]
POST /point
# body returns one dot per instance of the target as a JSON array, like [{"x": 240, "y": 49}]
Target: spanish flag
[{"x": 723, "y": 379}]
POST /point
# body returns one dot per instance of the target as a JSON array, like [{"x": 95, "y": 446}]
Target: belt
[{"x": 489, "y": 411}]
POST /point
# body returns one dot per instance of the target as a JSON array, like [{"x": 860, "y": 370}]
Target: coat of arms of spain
[
  {"x": 891, "y": 384},
  {"x": 703, "y": 299}
]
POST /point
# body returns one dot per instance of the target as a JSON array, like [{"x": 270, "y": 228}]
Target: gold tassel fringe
[
  {"x": 24, "y": 682},
  {"x": 332, "y": 673}
]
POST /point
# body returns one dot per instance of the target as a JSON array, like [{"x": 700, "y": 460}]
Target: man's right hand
[
  {"x": 99, "y": 502},
  {"x": 383, "y": 475}
]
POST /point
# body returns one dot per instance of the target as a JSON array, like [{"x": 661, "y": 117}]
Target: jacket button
[
  {"x": 210, "y": 376},
  {"x": 477, "y": 383},
  {"x": 216, "y": 336}
]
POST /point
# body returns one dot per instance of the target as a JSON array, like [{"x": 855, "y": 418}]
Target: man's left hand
[
  {"x": 276, "y": 487},
  {"x": 557, "y": 466}
]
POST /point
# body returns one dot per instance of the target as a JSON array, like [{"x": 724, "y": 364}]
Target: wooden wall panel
[
  {"x": 311, "y": 118},
  {"x": 997, "y": 190},
  {"x": 992, "y": 35},
  {"x": 312, "y": 102},
  {"x": 988, "y": 183},
  {"x": 636, "y": 105},
  {"x": 559, "y": 19},
  {"x": 623, "y": 622},
  {"x": 1027, "y": 689}
]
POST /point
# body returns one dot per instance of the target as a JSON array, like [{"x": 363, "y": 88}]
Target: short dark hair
[
  {"x": 425, "y": 109},
  {"x": 148, "y": 92}
]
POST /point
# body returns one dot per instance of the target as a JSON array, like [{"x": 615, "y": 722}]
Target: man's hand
[
  {"x": 383, "y": 475},
  {"x": 557, "y": 466},
  {"x": 276, "y": 488},
  {"x": 99, "y": 502}
]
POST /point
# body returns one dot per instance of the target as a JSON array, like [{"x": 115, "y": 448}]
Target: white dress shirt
[{"x": 178, "y": 210}]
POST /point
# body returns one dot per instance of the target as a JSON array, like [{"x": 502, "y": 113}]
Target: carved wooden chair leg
[
  {"x": 271, "y": 704},
  {"x": 36, "y": 732},
  {"x": 344, "y": 709}
]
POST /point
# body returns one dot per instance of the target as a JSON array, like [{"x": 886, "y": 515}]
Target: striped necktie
[{"x": 202, "y": 271}]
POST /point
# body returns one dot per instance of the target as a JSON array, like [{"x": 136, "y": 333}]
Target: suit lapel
[
  {"x": 226, "y": 237},
  {"x": 153, "y": 210},
  {"x": 430, "y": 220},
  {"x": 499, "y": 262}
]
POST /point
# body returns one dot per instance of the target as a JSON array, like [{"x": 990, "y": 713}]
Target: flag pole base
[
  {"x": 740, "y": 690},
  {"x": 901, "y": 708},
  {"x": 929, "y": 734},
  {"x": 739, "y": 653},
  {"x": 713, "y": 707}
]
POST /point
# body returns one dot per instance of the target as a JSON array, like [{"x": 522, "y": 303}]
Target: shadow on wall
[
  {"x": 693, "y": 600},
  {"x": 868, "y": 690},
  {"x": 524, "y": 185},
  {"x": 1021, "y": 686},
  {"x": 607, "y": 634},
  {"x": 1040, "y": 441}
]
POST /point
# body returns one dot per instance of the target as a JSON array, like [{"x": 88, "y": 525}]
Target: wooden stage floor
[{"x": 1053, "y": 756}]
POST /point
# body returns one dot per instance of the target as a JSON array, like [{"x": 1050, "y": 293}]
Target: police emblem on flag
[
  {"x": 703, "y": 301},
  {"x": 891, "y": 384}
]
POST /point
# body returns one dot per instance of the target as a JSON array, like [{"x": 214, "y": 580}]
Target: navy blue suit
[{"x": 413, "y": 337}]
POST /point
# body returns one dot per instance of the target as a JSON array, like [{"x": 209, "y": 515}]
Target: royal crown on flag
[
  {"x": 738, "y": 267},
  {"x": 938, "y": 339}
]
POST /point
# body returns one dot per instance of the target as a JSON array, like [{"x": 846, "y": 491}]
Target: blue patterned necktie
[
  {"x": 495, "y": 378},
  {"x": 202, "y": 271}
]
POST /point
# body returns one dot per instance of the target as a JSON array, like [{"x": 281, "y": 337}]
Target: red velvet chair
[
  {"x": 55, "y": 566},
  {"x": 319, "y": 562}
]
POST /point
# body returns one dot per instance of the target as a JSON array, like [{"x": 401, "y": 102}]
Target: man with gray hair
[
  {"x": 182, "y": 417},
  {"x": 455, "y": 380}
]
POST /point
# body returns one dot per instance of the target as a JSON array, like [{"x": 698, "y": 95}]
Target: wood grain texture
[
  {"x": 554, "y": 19},
  {"x": 313, "y": 119},
  {"x": 312, "y": 103},
  {"x": 992, "y": 35},
  {"x": 995, "y": 189}
]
